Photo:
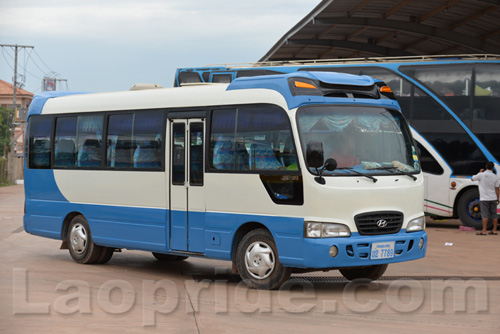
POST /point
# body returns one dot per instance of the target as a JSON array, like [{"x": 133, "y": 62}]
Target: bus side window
[
  {"x": 428, "y": 163},
  {"x": 196, "y": 154},
  {"x": 120, "y": 150},
  {"x": 90, "y": 141},
  {"x": 262, "y": 156},
  {"x": 40, "y": 128},
  {"x": 148, "y": 140},
  {"x": 178, "y": 154},
  {"x": 249, "y": 139},
  {"x": 65, "y": 142}
]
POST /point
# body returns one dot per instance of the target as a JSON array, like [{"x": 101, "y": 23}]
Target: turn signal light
[
  {"x": 385, "y": 89},
  {"x": 300, "y": 84}
]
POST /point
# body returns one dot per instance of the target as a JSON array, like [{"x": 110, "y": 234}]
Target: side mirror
[
  {"x": 314, "y": 154},
  {"x": 330, "y": 164}
]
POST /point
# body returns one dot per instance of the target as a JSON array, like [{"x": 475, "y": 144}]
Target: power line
[
  {"x": 6, "y": 60},
  {"x": 50, "y": 70},
  {"x": 25, "y": 67},
  {"x": 13, "y": 124}
]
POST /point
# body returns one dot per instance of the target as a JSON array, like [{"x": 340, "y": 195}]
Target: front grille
[{"x": 367, "y": 222}]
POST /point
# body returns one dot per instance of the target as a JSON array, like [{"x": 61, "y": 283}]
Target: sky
[{"x": 109, "y": 45}]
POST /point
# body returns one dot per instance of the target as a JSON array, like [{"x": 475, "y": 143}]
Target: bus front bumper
[{"x": 357, "y": 250}]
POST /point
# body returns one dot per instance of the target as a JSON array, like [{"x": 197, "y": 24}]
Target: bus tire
[
  {"x": 168, "y": 258},
  {"x": 258, "y": 261},
  {"x": 369, "y": 272},
  {"x": 106, "y": 255},
  {"x": 80, "y": 243},
  {"x": 468, "y": 209}
]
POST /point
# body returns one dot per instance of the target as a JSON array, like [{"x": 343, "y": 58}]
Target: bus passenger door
[{"x": 187, "y": 195}]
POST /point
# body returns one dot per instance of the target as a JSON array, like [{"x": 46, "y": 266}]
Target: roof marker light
[
  {"x": 300, "y": 84},
  {"x": 385, "y": 89}
]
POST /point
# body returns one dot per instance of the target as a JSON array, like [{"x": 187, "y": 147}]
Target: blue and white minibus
[
  {"x": 450, "y": 101},
  {"x": 278, "y": 174}
]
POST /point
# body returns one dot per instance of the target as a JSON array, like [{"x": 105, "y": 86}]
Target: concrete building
[{"x": 23, "y": 100}]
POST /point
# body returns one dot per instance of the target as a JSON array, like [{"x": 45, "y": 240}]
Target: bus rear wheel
[
  {"x": 82, "y": 247},
  {"x": 258, "y": 262},
  {"x": 369, "y": 272},
  {"x": 469, "y": 210}
]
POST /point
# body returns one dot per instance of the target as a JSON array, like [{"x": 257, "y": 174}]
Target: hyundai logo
[{"x": 381, "y": 223}]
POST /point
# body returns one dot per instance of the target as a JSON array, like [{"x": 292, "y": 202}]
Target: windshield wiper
[
  {"x": 359, "y": 173},
  {"x": 394, "y": 170}
]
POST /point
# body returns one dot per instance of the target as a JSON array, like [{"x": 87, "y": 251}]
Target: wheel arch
[
  {"x": 65, "y": 226},
  {"x": 241, "y": 232}
]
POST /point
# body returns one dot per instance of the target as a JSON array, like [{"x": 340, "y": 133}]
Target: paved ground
[{"x": 456, "y": 289}]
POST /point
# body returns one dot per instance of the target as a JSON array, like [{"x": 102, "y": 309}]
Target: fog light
[
  {"x": 421, "y": 244},
  {"x": 334, "y": 251}
]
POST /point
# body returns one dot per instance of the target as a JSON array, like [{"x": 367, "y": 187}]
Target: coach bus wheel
[
  {"x": 106, "y": 254},
  {"x": 369, "y": 272},
  {"x": 80, "y": 244},
  {"x": 258, "y": 262},
  {"x": 468, "y": 209},
  {"x": 168, "y": 258}
]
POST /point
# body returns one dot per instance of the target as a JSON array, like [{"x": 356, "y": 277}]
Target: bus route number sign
[{"x": 382, "y": 250}]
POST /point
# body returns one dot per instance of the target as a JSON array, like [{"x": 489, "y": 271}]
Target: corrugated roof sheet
[{"x": 371, "y": 28}]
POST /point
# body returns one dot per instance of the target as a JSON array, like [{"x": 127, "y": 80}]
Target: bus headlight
[
  {"x": 415, "y": 225},
  {"x": 326, "y": 230}
]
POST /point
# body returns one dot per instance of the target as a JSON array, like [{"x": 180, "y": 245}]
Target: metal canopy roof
[{"x": 371, "y": 28}]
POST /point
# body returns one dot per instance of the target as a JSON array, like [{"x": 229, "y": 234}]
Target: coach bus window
[
  {"x": 428, "y": 163},
  {"x": 40, "y": 129},
  {"x": 90, "y": 141},
  {"x": 438, "y": 126},
  {"x": 486, "y": 113},
  {"x": 196, "y": 154},
  {"x": 178, "y": 154},
  {"x": 65, "y": 142},
  {"x": 452, "y": 83},
  {"x": 252, "y": 139},
  {"x": 120, "y": 148},
  {"x": 222, "y": 145},
  {"x": 134, "y": 140},
  {"x": 148, "y": 140}
]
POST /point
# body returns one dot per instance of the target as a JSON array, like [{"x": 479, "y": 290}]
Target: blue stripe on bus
[
  {"x": 210, "y": 233},
  {"x": 42, "y": 185}
]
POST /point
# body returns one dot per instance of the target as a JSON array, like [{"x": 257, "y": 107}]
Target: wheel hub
[
  {"x": 474, "y": 210},
  {"x": 259, "y": 260},
  {"x": 78, "y": 238}
]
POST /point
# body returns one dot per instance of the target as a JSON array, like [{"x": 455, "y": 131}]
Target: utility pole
[{"x": 13, "y": 124}]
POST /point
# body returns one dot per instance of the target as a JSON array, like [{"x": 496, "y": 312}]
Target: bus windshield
[{"x": 370, "y": 140}]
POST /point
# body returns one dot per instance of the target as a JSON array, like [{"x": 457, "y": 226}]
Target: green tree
[{"x": 5, "y": 133}]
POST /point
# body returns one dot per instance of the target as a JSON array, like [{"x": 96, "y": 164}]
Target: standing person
[{"x": 489, "y": 196}]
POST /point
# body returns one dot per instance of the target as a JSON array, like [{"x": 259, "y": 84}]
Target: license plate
[{"x": 382, "y": 250}]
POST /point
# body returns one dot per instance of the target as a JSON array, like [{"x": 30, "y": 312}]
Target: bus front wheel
[
  {"x": 82, "y": 247},
  {"x": 369, "y": 272},
  {"x": 258, "y": 262}
]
